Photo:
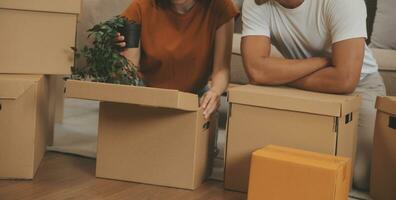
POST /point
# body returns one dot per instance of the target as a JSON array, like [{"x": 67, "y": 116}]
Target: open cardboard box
[
  {"x": 24, "y": 122},
  {"x": 36, "y": 36},
  {"x": 148, "y": 135},
  {"x": 260, "y": 116},
  {"x": 383, "y": 167}
]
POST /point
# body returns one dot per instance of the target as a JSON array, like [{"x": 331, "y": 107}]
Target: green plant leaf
[{"x": 104, "y": 63}]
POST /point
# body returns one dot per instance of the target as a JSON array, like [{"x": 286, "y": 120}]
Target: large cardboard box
[
  {"x": 148, "y": 135},
  {"x": 36, "y": 36},
  {"x": 279, "y": 173},
  {"x": 311, "y": 121},
  {"x": 383, "y": 167},
  {"x": 24, "y": 122}
]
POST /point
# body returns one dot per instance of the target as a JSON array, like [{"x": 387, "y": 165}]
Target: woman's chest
[{"x": 168, "y": 38}]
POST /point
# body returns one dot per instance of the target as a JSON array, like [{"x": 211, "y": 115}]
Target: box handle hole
[
  {"x": 348, "y": 118},
  {"x": 206, "y": 125},
  {"x": 392, "y": 122}
]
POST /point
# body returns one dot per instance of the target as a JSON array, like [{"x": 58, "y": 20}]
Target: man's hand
[{"x": 210, "y": 102}]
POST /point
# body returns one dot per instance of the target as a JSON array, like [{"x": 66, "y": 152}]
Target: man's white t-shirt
[{"x": 310, "y": 29}]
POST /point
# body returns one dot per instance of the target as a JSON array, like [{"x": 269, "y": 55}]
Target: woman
[{"x": 184, "y": 43}]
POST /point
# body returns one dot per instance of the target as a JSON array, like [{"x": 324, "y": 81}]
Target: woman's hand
[
  {"x": 132, "y": 54},
  {"x": 210, "y": 102},
  {"x": 120, "y": 39}
]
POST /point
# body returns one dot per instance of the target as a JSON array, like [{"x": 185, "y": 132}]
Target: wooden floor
[{"x": 70, "y": 177}]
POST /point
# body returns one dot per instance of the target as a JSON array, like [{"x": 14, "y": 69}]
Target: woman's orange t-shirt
[{"x": 177, "y": 49}]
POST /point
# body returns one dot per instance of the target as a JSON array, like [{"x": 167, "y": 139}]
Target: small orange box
[{"x": 280, "y": 173}]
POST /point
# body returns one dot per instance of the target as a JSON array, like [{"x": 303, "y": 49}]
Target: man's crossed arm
[{"x": 340, "y": 75}]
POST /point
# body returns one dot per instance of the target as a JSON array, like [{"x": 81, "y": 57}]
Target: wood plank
[{"x": 62, "y": 176}]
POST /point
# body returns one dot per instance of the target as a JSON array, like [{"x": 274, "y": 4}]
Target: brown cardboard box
[
  {"x": 36, "y": 36},
  {"x": 148, "y": 135},
  {"x": 311, "y": 121},
  {"x": 383, "y": 167},
  {"x": 59, "y": 98},
  {"x": 24, "y": 123},
  {"x": 285, "y": 173},
  {"x": 56, "y": 103}
]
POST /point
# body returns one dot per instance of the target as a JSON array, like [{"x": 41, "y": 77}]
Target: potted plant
[{"x": 104, "y": 62}]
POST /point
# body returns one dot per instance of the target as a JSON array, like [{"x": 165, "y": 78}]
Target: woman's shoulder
[
  {"x": 222, "y": 11},
  {"x": 219, "y": 6},
  {"x": 220, "y": 3},
  {"x": 138, "y": 9}
]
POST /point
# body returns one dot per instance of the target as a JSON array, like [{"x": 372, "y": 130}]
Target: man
[{"x": 323, "y": 42}]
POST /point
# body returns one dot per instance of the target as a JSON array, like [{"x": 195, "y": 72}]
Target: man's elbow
[
  {"x": 252, "y": 73},
  {"x": 259, "y": 76},
  {"x": 348, "y": 88},
  {"x": 347, "y": 85},
  {"x": 253, "y": 77}
]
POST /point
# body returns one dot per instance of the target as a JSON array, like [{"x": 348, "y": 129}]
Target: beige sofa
[
  {"x": 386, "y": 60},
  {"x": 387, "y": 64}
]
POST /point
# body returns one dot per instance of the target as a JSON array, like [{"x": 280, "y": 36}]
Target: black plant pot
[{"x": 131, "y": 32}]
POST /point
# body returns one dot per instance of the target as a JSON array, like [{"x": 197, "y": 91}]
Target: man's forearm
[
  {"x": 279, "y": 71},
  {"x": 327, "y": 80}
]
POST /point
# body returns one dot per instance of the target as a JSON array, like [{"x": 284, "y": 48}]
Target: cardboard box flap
[
  {"x": 386, "y": 104},
  {"x": 145, "y": 96},
  {"x": 25, "y": 77},
  {"x": 13, "y": 89},
  {"x": 59, "y": 6},
  {"x": 302, "y": 157},
  {"x": 285, "y": 98}
]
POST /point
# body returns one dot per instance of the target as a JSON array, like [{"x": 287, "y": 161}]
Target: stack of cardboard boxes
[
  {"x": 35, "y": 38},
  {"x": 146, "y": 135},
  {"x": 324, "y": 123},
  {"x": 260, "y": 116}
]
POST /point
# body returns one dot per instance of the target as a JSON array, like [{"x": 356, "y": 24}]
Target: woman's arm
[
  {"x": 132, "y": 54},
  {"x": 264, "y": 70},
  {"x": 210, "y": 101}
]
